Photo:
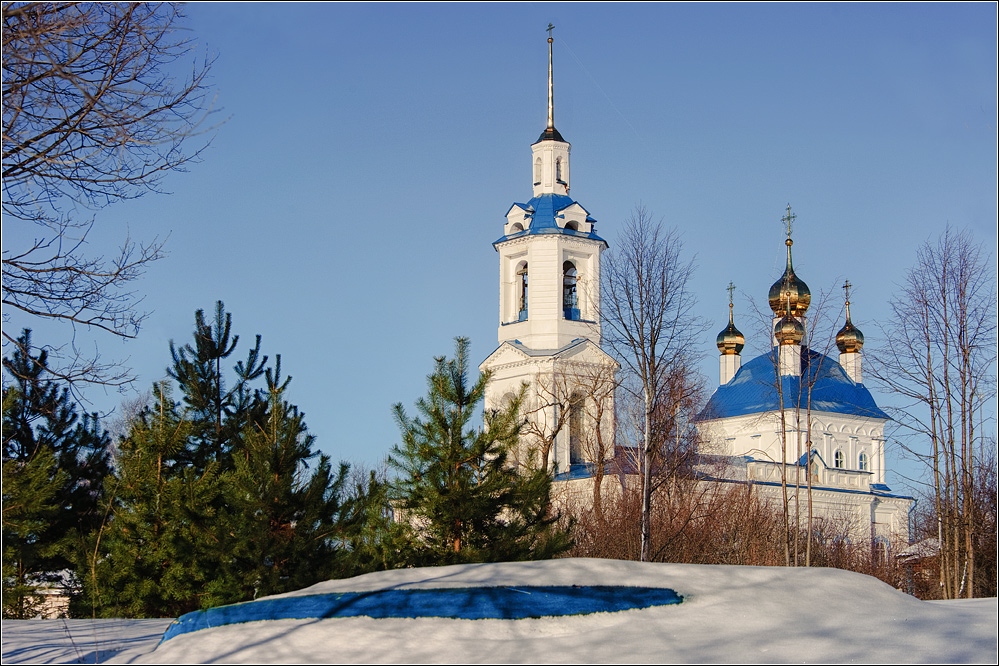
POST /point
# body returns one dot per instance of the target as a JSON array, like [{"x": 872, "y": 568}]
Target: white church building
[
  {"x": 767, "y": 415},
  {"x": 757, "y": 420}
]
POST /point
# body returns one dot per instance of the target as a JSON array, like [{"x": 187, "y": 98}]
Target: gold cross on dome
[
  {"x": 846, "y": 288},
  {"x": 788, "y": 219},
  {"x": 550, "y": 28},
  {"x": 730, "y": 289}
]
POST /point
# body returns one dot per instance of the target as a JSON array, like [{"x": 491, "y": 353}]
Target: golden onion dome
[
  {"x": 731, "y": 341},
  {"x": 789, "y": 290},
  {"x": 849, "y": 339},
  {"x": 789, "y": 331}
]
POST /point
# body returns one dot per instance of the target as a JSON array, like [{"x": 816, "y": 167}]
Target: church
[
  {"x": 787, "y": 421},
  {"x": 797, "y": 421}
]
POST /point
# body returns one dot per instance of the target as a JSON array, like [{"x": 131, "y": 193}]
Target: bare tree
[
  {"x": 92, "y": 115},
  {"x": 647, "y": 313},
  {"x": 574, "y": 395},
  {"x": 939, "y": 357},
  {"x": 546, "y": 414}
]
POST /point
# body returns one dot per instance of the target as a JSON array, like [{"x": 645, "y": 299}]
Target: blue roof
[
  {"x": 754, "y": 390},
  {"x": 542, "y": 211}
]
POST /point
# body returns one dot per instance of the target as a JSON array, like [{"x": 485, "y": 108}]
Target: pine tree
[
  {"x": 159, "y": 554},
  {"x": 54, "y": 465},
  {"x": 465, "y": 502},
  {"x": 287, "y": 525},
  {"x": 219, "y": 412}
]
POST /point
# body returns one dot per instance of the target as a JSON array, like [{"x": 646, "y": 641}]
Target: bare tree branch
[{"x": 92, "y": 114}]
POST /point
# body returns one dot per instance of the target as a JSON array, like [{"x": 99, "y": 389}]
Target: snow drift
[{"x": 728, "y": 614}]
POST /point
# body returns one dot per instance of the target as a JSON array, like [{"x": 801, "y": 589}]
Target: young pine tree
[
  {"x": 219, "y": 410},
  {"x": 456, "y": 488},
  {"x": 159, "y": 554},
  {"x": 54, "y": 465},
  {"x": 286, "y": 524}
]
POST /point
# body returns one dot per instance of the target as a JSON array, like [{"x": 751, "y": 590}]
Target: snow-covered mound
[{"x": 728, "y": 614}]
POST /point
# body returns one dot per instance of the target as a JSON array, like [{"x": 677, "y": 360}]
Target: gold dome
[
  {"x": 731, "y": 341},
  {"x": 789, "y": 290},
  {"x": 789, "y": 331},
  {"x": 849, "y": 339}
]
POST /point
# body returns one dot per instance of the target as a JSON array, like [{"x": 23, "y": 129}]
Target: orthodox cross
[
  {"x": 788, "y": 219},
  {"x": 550, "y": 28},
  {"x": 730, "y": 289},
  {"x": 846, "y": 288}
]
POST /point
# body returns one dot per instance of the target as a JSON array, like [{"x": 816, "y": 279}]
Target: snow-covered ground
[{"x": 728, "y": 614}]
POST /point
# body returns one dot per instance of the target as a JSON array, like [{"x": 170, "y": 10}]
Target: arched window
[
  {"x": 572, "y": 226},
  {"x": 537, "y": 171},
  {"x": 522, "y": 300},
  {"x": 517, "y": 227},
  {"x": 576, "y": 430},
  {"x": 838, "y": 459},
  {"x": 558, "y": 170},
  {"x": 570, "y": 303},
  {"x": 863, "y": 462}
]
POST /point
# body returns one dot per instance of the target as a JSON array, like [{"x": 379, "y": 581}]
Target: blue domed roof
[
  {"x": 542, "y": 211},
  {"x": 754, "y": 390}
]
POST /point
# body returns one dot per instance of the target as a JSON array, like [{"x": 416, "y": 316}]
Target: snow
[{"x": 728, "y": 614}]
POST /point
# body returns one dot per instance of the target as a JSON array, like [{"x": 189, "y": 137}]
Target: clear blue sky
[{"x": 346, "y": 209}]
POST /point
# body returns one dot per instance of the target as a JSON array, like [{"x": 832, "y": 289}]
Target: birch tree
[
  {"x": 939, "y": 359},
  {"x": 647, "y": 315}
]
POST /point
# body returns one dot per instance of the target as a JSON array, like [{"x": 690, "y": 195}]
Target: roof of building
[
  {"x": 753, "y": 390},
  {"x": 733, "y": 470},
  {"x": 550, "y": 134},
  {"x": 543, "y": 211}
]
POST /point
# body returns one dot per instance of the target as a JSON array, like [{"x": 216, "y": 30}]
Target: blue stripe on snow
[{"x": 468, "y": 603}]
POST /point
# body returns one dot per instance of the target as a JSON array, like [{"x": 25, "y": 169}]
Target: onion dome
[
  {"x": 789, "y": 292},
  {"x": 849, "y": 339},
  {"x": 789, "y": 331},
  {"x": 730, "y": 341}
]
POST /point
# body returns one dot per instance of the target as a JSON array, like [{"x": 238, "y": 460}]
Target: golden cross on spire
[
  {"x": 788, "y": 219},
  {"x": 730, "y": 289},
  {"x": 846, "y": 288},
  {"x": 550, "y": 28}
]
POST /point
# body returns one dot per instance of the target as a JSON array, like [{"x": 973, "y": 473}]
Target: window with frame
[
  {"x": 522, "y": 297},
  {"x": 570, "y": 301}
]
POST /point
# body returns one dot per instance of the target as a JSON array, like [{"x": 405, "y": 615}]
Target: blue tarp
[{"x": 468, "y": 603}]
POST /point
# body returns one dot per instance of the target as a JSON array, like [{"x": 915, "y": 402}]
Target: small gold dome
[
  {"x": 789, "y": 331},
  {"x": 849, "y": 338},
  {"x": 789, "y": 288},
  {"x": 731, "y": 341}
]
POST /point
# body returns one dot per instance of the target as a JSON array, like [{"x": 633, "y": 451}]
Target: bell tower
[
  {"x": 549, "y": 252},
  {"x": 549, "y": 296}
]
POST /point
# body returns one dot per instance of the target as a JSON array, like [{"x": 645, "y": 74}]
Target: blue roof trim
[
  {"x": 585, "y": 471},
  {"x": 542, "y": 210},
  {"x": 753, "y": 390},
  {"x": 846, "y": 491}
]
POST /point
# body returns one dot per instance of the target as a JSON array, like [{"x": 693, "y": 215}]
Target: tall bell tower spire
[
  {"x": 550, "y": 153},
  {"x": 549, "y": 305},
  {"x": 551, "y": 86}
]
